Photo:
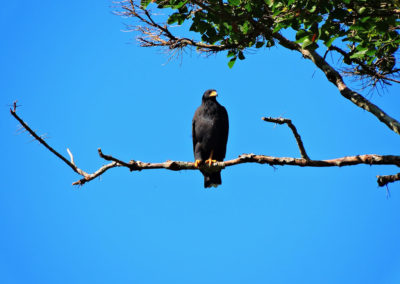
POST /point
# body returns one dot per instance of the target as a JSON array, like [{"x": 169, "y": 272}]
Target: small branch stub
[
  {"x": 71, "y": 156},
  {"x": 384, "y": 180}
]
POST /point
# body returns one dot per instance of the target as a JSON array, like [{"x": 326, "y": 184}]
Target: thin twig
[
  {"x": 44, "y": 143},
  {"x": 99, "y": 172},
  {"x": 38, "y": 138},
  {"x": 289, "y": 123},
  {"x": 71, "y": 156}
]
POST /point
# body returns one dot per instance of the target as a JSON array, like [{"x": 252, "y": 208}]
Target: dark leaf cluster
[{"x": 365, "y": 33}]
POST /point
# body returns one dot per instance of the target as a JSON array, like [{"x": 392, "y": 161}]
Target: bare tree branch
[
  {"x": 371, "y": 159},
  {"x": 294, "y": 130},
  {"x": 41, "y": 141},
  {"x": 334, "y": 77},
  {"x": 247, "y": 158},
  {"x": 158, "y": 35},
  {"x": 373, "y": 74},
  {"x": 102, "y": 170},
  {"x": 384, "y": 180}
]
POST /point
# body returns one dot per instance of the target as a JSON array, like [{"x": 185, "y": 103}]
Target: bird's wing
[
  {"x": 226, "y": 123},
  {"x": 224, "y": 131},
  {"x": 194, "y": 133}
]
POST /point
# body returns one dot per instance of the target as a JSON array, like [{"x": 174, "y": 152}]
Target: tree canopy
[{"x": 364, "y": 33}]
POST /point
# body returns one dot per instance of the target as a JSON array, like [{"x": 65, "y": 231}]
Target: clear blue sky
[{"x": 86, "y": 84}]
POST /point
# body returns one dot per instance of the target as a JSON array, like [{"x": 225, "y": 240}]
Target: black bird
[{"x": 210, "y": 127}]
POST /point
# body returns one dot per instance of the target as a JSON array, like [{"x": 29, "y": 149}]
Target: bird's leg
[
  {"x": 197, "y": 163},
  {"x": 210, "y": 161}
]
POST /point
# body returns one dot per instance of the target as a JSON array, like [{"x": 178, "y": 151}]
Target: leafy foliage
[{"x": 364, "y": 32}]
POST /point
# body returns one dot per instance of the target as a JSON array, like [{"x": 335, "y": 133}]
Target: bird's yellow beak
[{"x": 213, "y": 94}]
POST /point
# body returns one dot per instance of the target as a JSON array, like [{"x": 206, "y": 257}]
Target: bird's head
[{"x": 210, "y": 95}]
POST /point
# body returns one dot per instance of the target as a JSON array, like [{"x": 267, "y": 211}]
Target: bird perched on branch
[{"x": 210, "y": 127}]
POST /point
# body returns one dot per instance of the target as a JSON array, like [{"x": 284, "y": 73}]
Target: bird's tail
[{"x": 212, "y": 179}]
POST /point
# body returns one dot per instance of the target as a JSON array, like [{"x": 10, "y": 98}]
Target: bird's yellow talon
[
  {"x": 196, "y": 163},
  {"x": 210, "y": 162}
]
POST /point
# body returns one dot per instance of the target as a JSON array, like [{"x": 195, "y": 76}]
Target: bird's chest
[
  {"x": 208, "y": 120},
  {"x": 207, "y": 130}
]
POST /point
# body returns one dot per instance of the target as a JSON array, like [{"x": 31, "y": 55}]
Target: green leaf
[
  {"x": 176, "y": 18},
  {"x": 232, "y": 62},
  {"x": 359, "y": 54},
  {"x": 371, "y": 52},
  {"x": 300, "y": 35},
  {"x": 234, "y": 2},
  {"x": 277, "y": 28},
  {"x": 329, "y": 42},
  {"x": 357, "y": 28},
  {"x": 361, "y": 10},
  {"x": 180, "y": 4},
  {"x": 312, "y": 10},
  {"x": 363, "y": 20},
  {"x": 362, "y": 48},
  {"x": 145, "y": 3},
  {"x": 307, "y": 42},
  {"x": 269, "y": 2},
  {"x": 277, "y": 12},
  {"x": 303, "y": 39},
  {"x": 245, "y": 27},
  {"x": 369, "y": 62}
]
